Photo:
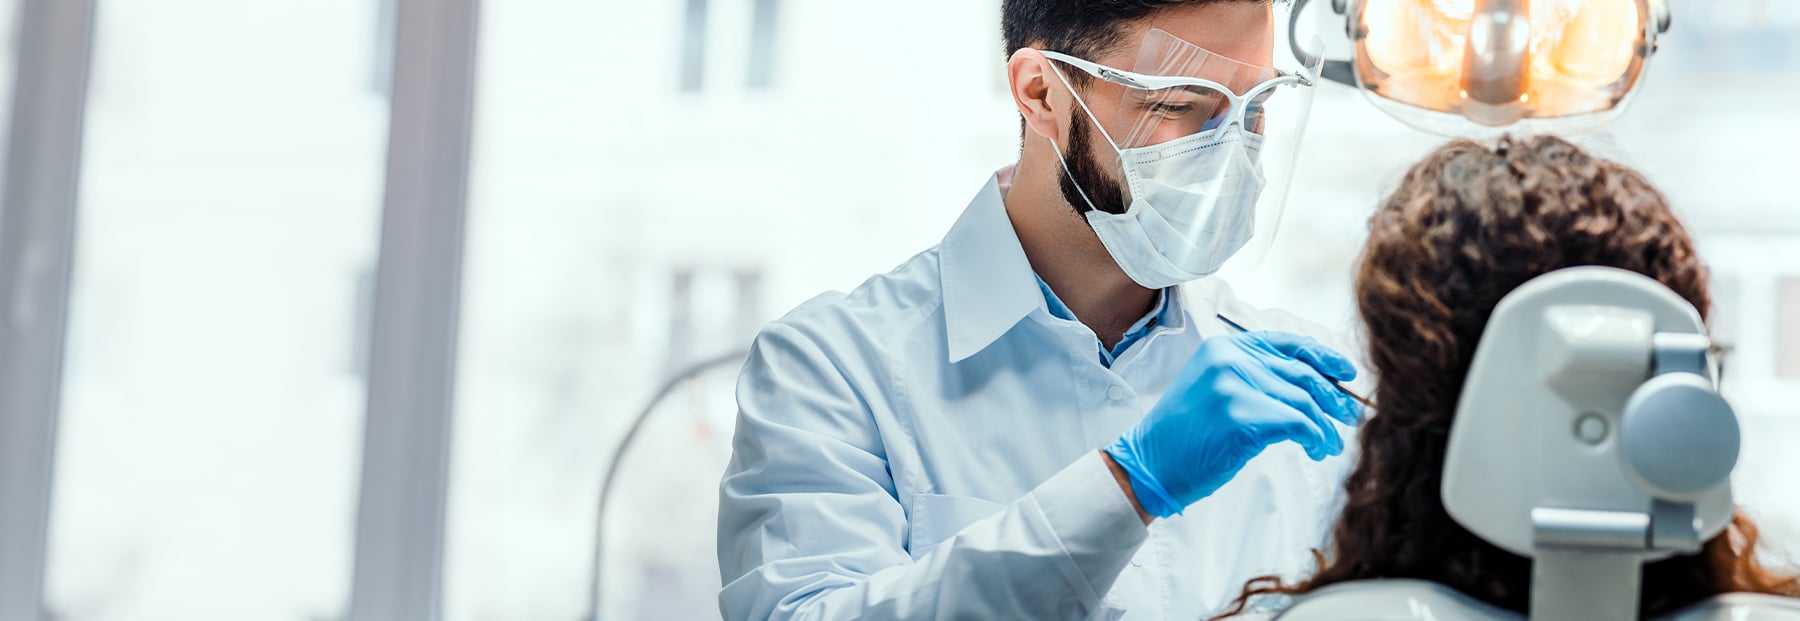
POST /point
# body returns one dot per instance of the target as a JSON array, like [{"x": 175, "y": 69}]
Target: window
[
  {"x": 762, "y": 44},
  {"x": 212, "y": 417},
  {"x": 1787, "y": 329},
  {"x": 1756, "y": 36},
  {"x": 618, "y": 237},
  {"x": 1722, "y": 322},
  {"x": 381, "y": 67},
  {"x": 693, "y": 47},
  {"x": 711, "y": 312},
  {"x": 715, "y": 37}
]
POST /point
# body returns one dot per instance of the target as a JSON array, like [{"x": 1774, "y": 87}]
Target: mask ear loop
[
  {"x": 1071, "y": 174},
  {"x": 1085, "y": 108},
  {"x": 1059, "y": 150}
]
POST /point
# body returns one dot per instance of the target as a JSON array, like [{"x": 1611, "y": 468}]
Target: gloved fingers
[
  {"x": 1302, "y": 431},
  {"x": 1318, "y": 435},
  {"x": 1310, "y": 351},
  {"x": 1335, "y": 403}
]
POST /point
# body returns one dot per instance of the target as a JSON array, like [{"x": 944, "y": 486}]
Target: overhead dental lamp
[{"x": 1460, "y": 67}]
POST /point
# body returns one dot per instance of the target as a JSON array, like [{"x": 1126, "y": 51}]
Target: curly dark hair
[{"x": 1467, "y": 226}]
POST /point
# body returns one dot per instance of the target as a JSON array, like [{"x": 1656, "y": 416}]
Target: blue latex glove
[{"x": 1239, "y": 394}]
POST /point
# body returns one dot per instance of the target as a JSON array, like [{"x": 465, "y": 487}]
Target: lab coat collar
[{"x": 988, "y": 283}]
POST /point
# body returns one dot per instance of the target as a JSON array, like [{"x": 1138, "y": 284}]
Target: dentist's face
[{"x": 1242, "y": 31}]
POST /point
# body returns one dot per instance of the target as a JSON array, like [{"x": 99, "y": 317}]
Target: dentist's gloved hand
[{"x": 1239, "y": 394}]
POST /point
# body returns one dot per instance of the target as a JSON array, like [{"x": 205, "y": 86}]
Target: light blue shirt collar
[
  {"x": 1160, "y": 315},
  {"x": 989, "y": 285}
]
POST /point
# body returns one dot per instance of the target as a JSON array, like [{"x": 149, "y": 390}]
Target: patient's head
[{"x": 1467, "y": 226}]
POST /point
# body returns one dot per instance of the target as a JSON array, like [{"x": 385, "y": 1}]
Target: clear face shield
[
  {"x": 1206, "y": 147},
  {"x": 1462, "y": 67}
]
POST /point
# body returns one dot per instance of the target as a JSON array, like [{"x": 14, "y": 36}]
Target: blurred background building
[{"x": 650, "y": 183}]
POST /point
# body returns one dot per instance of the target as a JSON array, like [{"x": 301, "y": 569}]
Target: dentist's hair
[
  {"x": 1083, "y": 28},
  {"x": 1467, "y": 226}
]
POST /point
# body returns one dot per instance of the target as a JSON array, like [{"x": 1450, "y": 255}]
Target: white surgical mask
[{"x": 1193, "y": 204}]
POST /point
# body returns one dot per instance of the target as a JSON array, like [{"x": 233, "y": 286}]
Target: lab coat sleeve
[{"x": 810, "y": 525}]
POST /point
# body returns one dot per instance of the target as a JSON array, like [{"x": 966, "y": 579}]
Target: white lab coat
[{"x": 925, "y": 447}]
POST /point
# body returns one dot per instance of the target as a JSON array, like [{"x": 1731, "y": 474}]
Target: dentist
[{"x": 1044, "y": 416}]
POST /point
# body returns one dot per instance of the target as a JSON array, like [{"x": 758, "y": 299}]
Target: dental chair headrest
[
  {"x": 1589, "y": 437},
  {"x": 1590, "y": 401}
]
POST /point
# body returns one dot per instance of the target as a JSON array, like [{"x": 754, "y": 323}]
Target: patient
[{"x": 1467, "y": 226}]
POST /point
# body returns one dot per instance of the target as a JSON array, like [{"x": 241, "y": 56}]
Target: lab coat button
[{"x": 1115, "y": 393}]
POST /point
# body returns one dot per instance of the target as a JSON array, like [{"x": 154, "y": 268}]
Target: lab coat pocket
[{"x": 936, "y": 517}]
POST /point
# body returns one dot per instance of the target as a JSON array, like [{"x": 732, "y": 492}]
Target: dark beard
[{"x": 1084, "y": 170}]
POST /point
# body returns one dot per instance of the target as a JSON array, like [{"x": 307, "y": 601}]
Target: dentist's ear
[{"x": 1038, "y": 92}]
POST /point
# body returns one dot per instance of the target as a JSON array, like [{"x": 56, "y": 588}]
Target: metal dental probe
[{"x": 1359, "y": 398}]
